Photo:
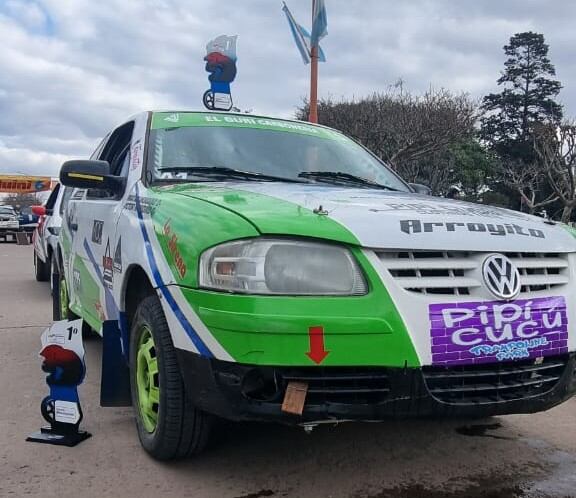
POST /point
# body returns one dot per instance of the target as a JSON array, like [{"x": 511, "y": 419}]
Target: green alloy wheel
[
  {"x": 147, "y": 385},
  {"x": 63, "y": 306},
  {"x": 169, "y": 426},
  {"x": 60, "y": 299},
  {"x": 63, "y": 298}
]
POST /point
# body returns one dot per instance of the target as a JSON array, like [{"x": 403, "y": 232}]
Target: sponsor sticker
[
  {"x": 495, "y": 331},
  {"x": 136, "y": 155},
  {"x": 429, "y": 227},
  {"x": 147, "y": 205},
  {"x": 77, "y": 281},
  {"x": 97, "y": 229},
  {"x": 108, "y": 266},
  {"x": 172, "y": 242},
  {"x": 118, "y": 256}
]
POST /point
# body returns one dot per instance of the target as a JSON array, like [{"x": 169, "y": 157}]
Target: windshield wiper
[
  {"x": 341, "y": 178},
  {"x": 227, "y": 173}
]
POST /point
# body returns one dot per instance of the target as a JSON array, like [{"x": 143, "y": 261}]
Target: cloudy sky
[{"x": 70, "y": 70}]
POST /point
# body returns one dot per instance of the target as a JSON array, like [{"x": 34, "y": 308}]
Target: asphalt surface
[{"x": 501, "y": 457}]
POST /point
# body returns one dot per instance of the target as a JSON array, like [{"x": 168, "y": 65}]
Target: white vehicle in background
[
  {"x": 45, "y": 238},
  {"x": 8, "y": 221}
]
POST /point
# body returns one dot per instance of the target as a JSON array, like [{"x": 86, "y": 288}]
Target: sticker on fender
[{"x": 494, "y": 331}]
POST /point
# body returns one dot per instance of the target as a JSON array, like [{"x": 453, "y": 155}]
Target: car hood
[{"x": 383, "y": 219}]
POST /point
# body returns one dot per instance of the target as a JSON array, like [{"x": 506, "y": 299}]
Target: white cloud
[
  {"x": 28, "y": 161},
  {"x": 27, "y": 13},
  {"x": 72, "y": 69}
]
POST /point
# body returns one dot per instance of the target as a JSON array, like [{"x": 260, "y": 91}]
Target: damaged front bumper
[{"x": 255, "y": 393}]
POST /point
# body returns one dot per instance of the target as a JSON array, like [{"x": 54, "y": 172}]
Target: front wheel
[
  {"x": 60, "y": 309},
  {"x": 53, "y": 271},
  {"x": 169, "y": 426},
  {"x": 41, "y": 269},
  {"x": 61, "y": 300}
]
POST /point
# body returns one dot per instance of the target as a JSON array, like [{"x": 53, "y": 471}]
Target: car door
[{"x": 94, "y": 243}]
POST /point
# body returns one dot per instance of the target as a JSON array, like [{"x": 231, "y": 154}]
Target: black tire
[
  {"x": 181, "y": 429},
  {"x": 53, "y": 270},
  {"x": 41, "y": 269}
]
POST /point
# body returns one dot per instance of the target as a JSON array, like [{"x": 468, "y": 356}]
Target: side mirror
[
  {"x": 41, "y": 211},
  {"x": 90, "y": 174},
  {"x": 421, "y": 189}
]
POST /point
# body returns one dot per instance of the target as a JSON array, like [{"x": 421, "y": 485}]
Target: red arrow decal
[{"x": 317, "y": 352}]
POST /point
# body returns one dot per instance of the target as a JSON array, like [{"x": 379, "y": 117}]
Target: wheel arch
[{"x": 136, "y": 286}]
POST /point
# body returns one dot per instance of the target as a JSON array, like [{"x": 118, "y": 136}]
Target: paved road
[{"x": 504, "y": 457}]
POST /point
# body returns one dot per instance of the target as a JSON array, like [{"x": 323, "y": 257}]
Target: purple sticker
[{"x": 494, "y": 331}]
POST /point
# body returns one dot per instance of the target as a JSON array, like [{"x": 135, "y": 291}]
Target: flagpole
[{"x": 313, "y": 114}]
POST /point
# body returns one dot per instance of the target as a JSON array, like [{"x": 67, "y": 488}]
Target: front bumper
[{"x": 255, "y": 393}]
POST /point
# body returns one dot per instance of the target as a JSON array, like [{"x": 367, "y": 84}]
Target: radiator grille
[
  {"x": 493, "y": 383},
  {"x": 342, "y": 385},
  {"x": 459, "y": 273}
]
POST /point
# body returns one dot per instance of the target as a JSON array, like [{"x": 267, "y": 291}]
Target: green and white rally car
[{"x": 273, "y": 270}]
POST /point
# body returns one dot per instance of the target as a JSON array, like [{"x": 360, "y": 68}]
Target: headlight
[{"x": 276, "y": 266}]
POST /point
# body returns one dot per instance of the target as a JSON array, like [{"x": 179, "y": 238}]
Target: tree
[
  {"x": 529, "y": 181},
  {"x": 413, "y": 134},
  {"x": 555, "y": 148},
  {"x": 465, "y": 164},
  {"x": 474, "y": 168},
  {"x": 511, "y": 116},
  {"x": 527, "y": 98}
]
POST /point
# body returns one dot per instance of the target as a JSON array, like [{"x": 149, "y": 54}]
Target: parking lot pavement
[{"x": 503, "y": 457}]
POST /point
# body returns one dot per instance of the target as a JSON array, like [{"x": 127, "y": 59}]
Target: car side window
[
  {"x": 115, "y": 150},
  {"x": 98, "y": 151},
  {"x": 65, "y": 198}
]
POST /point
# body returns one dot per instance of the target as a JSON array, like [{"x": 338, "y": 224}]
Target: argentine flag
[
  {"x": 302, "y": 37},
  {"x": 319, "y": 23}
]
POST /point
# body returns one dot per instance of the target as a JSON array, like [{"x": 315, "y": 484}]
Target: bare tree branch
[
  {"x": 527, "y": 180},
  {"x": 555, "y": 148},
  {"x": 405, "y": 130}
]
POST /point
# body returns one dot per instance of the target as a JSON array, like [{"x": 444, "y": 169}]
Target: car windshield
[
  {"x": 275, "y": 148},
  {"x": 7, "y": 210}
]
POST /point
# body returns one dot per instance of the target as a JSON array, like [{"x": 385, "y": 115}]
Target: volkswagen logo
[{"x": 501, "y": 277}]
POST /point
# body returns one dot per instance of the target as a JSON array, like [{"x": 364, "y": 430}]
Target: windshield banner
[
  {"x": 164, "y": 120},
  {"x": 17, "y": 184}
]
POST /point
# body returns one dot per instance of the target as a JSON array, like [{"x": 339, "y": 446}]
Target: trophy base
[{"x": 47, "y": 435}]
